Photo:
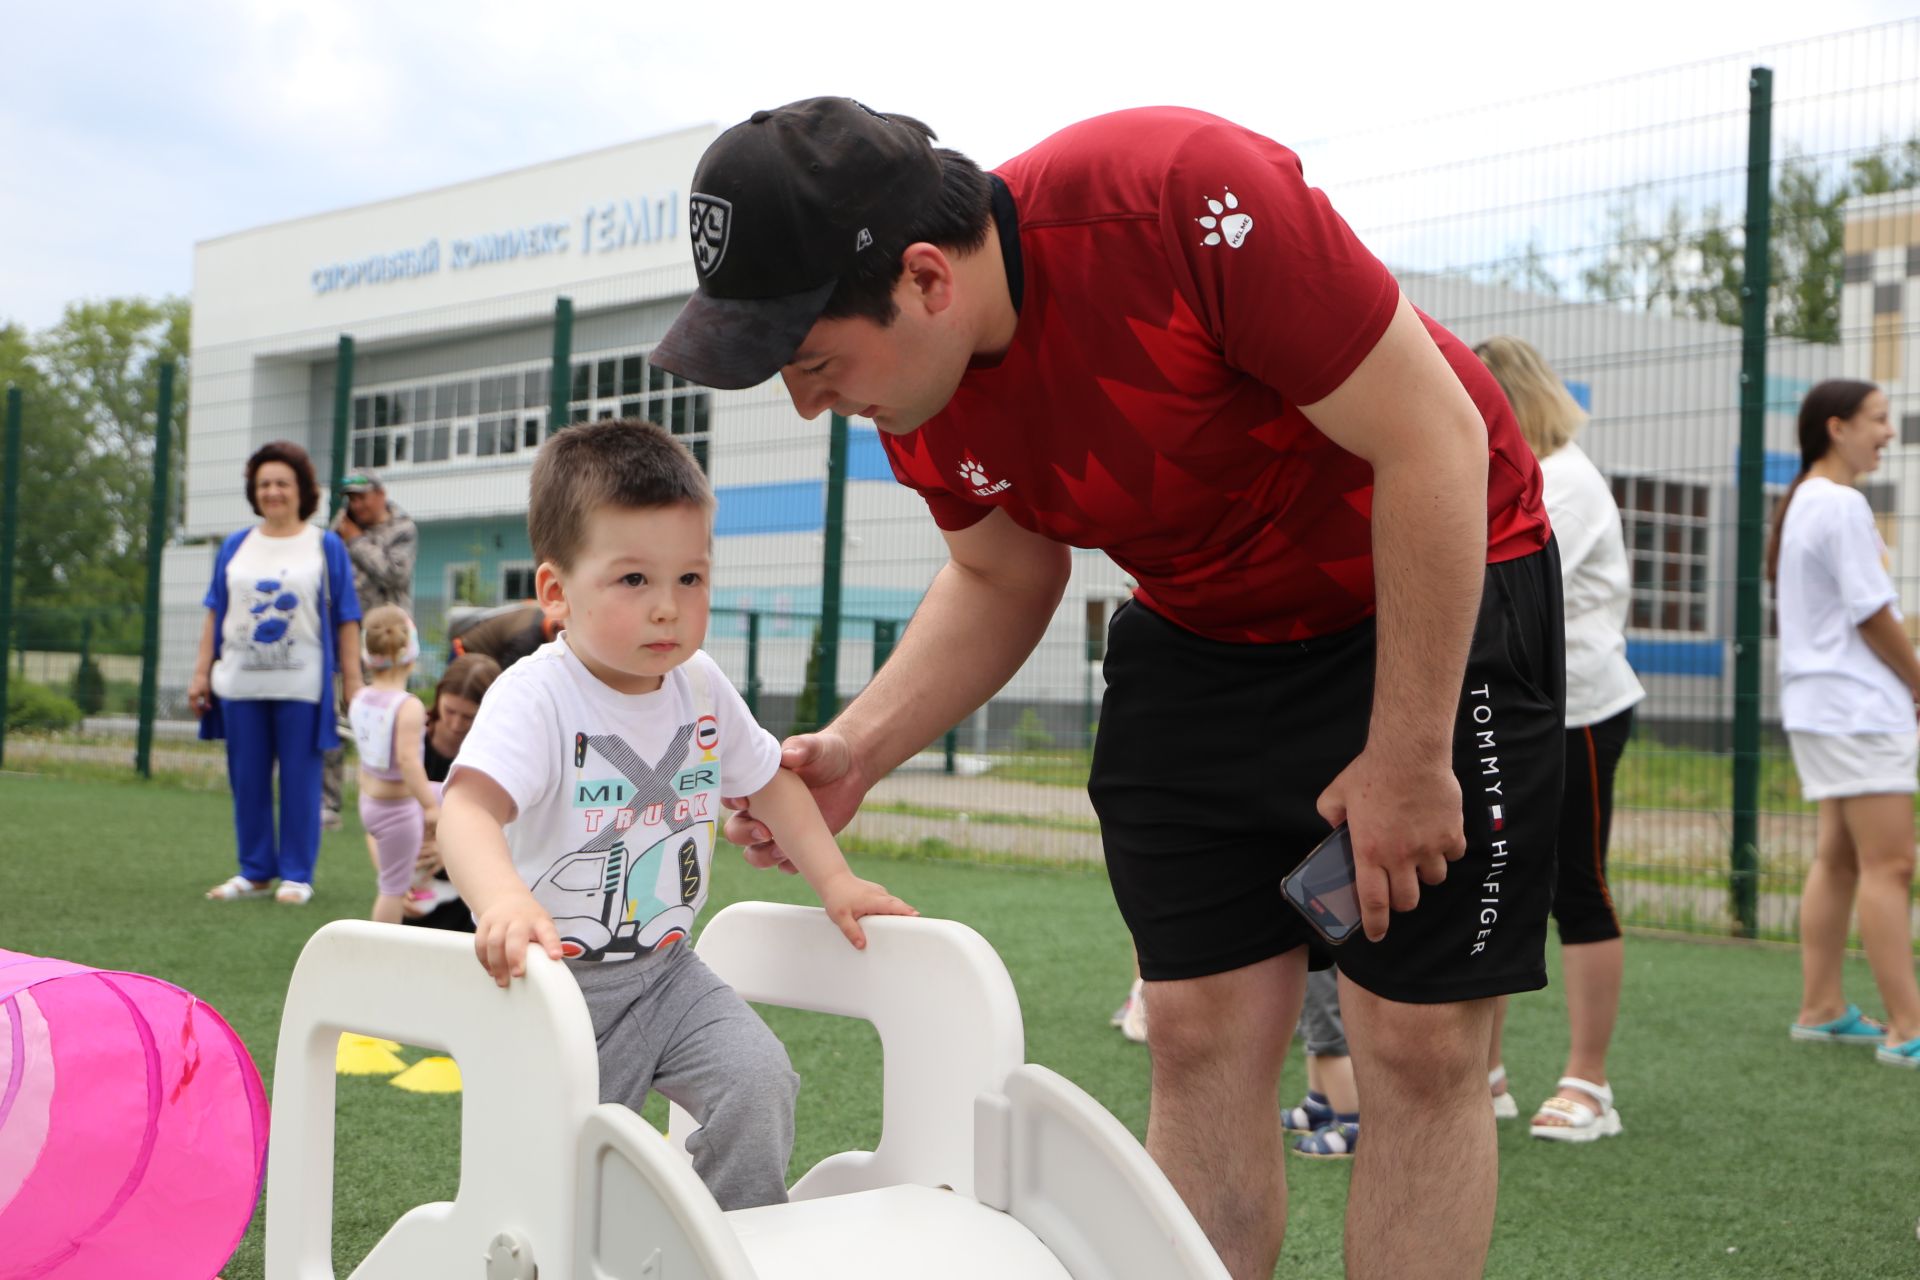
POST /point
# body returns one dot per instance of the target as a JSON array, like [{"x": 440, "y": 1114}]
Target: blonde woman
[
  {"x": 1601, "y": 693},
  {"x": 1848, "y": 681}
]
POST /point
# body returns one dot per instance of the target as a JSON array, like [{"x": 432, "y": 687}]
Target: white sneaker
[
  {"x": 1504, "y": 1106},
  {"x": 329, "y": 819}
]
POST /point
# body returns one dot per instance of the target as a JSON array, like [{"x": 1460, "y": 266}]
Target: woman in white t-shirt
[
  {"x": 1848, "y": 681},
  {"x": 1601, "y": 693},
  {"x": 282, "y": 618}
]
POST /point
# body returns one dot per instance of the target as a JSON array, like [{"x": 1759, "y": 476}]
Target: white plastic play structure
[{"x": 986, "y": 1166}]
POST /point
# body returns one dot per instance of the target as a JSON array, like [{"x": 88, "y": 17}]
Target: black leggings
[{"x": 1582, "y": 907}]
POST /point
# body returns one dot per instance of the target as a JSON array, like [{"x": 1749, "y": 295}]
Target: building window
[
  {"x": 477, "y": 415},
  {"x": 465, "y": 585},
  {"x": 495, "y": 412},
  {"x": 1665, "y": 522},
  {"x": 516, "y": 581},
  {"x": 628, "y": 386}
]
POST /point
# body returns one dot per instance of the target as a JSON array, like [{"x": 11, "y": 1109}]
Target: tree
[
  {"x": 1528, "y": 272},
  {"x": 1693, "y": 264},
  {"x": 90, "y": 383}
]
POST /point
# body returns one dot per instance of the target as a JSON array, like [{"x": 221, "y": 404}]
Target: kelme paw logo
[
  {"x": 1224, "y": 225},
  {"x": 971, "y": 472}
]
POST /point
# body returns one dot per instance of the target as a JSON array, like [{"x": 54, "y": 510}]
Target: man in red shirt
[{"x": 1150, "y": 336}]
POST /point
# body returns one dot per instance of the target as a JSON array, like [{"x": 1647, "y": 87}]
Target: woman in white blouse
[
  {"x": 1601, "y": 693},
  {"x": 1848, "y": 681}
]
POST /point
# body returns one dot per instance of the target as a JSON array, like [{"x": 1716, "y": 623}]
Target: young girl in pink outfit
[{"x": 397, "y": 803}]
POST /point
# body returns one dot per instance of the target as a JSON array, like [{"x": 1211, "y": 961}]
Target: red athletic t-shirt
[{"x": 1184, "y": 290}]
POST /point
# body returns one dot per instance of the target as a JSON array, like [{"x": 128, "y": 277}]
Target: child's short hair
[{"x": 620, "y": 462}]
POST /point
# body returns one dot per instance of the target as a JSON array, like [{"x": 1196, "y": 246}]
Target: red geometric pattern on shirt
[{"x": 1116, "y": 421}]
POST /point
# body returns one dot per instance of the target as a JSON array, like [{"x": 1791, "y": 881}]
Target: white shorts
[{"x": 1854, "y": 764}]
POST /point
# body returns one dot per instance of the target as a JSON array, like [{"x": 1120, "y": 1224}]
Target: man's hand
[
  {"x": 505, "y": 929},
  {"x": 1404, "y": 817},
  {"x": 848, "y": 897},
  {"x": 344, "y": 526},
  {"x": 825, "y": 763}
]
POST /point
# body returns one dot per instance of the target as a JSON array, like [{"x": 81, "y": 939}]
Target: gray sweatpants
[
  {"x": 666, "y": 1022},
  {"x": 1320, "y": 1023}
]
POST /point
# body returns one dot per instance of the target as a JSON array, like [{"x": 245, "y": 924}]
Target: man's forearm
[
  {"x": 1429, "y": 559},
  {"x": 967, "y": 639}
]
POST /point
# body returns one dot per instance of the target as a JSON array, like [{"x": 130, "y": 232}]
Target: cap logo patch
[
  {"x": 862, "y": 240},
  {"x": 710, "y": 222}
]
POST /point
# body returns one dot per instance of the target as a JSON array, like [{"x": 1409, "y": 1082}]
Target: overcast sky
[{"x": 128, "y": 131}]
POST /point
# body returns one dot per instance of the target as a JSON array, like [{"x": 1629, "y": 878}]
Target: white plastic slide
[{"x": 986, "y": 1166}]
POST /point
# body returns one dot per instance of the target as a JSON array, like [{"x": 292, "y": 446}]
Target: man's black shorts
[{"x": 1211, "y": 756}]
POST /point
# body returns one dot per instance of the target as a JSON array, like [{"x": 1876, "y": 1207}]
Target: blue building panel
[{"x": 1705, "y": 658}]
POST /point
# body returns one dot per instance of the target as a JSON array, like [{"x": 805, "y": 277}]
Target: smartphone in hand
[{"x": 1322, "y": 889}]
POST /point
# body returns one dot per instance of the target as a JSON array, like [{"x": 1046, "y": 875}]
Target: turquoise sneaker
[
  {"x": 1900, "y": 1055},
  {"x": 1851, "y": 1027}
]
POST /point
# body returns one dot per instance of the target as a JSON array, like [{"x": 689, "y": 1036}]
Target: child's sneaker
[{"x": 1336, "y": 1141}]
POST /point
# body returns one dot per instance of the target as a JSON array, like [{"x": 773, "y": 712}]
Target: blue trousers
[{"x": 259, "y": 734}]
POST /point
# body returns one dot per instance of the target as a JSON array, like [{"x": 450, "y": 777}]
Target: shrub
[
  {"x": 1030, "y": 734},
  {"x": 806, "y": 708},
  {"x": 89, "y": 687},
  {"x": 33, "y": 707}
]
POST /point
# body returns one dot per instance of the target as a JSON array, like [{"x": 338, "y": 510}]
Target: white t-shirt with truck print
[{"x": 617, "y": 795}]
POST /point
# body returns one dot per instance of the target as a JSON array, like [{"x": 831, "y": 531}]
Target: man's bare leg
[
  {"x": 1421, "y": 1202},
  {"x": 1214, "y": 1126}
]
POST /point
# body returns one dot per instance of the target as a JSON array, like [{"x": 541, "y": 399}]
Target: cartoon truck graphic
[{"x": 608, "y": 902}]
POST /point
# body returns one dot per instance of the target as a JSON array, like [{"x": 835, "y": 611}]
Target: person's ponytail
[
  {"x": 1779, "y": 520},
  {"x": 1835, "y": 398}
]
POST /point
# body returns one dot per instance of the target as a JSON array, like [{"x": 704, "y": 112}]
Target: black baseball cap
[{"x": 783, "y": 204}]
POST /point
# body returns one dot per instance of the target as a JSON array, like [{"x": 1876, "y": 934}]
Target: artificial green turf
[{"x": 1745, "y": 1155}]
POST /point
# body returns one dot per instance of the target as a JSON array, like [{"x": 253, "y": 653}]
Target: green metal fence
[{"x": 1692, "y": 249}]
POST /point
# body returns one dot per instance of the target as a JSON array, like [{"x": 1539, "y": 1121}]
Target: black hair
[{"x": 956, "y": 221}]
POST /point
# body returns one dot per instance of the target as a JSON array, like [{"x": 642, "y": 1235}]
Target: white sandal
[
  {"x": 234, "y": 888},
  {"x": 294, "y": 893},
  {"x": 1583, "y": 1123},
  {"x": 1504, "y": 1107}
]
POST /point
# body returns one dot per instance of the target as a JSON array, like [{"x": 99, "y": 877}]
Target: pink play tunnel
[{"x": 133, "y": 1128}]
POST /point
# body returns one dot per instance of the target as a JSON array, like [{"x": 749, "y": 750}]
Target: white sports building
[{"x": 449, "y": 296}]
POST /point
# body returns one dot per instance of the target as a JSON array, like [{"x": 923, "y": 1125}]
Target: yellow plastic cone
[
  {"x": 366, "y": 1056},
  {"x": 429, "y": 1075}
]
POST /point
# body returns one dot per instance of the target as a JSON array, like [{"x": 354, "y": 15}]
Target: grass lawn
[{"x": 1745, "y": 1155}]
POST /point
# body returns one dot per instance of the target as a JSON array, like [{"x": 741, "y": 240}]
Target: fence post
[
  {"x": 560, "y": 378},
  {"x": 753, "y": 665},
  {"x": 836, "y": 518},
  {"x": 342, "y": 415},
  {"x": 884, "y": 633},
  {"x": 9, "y": 527},
  {"x": 157, "y": 529},
  {"x": 1743, "y": 872}
]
